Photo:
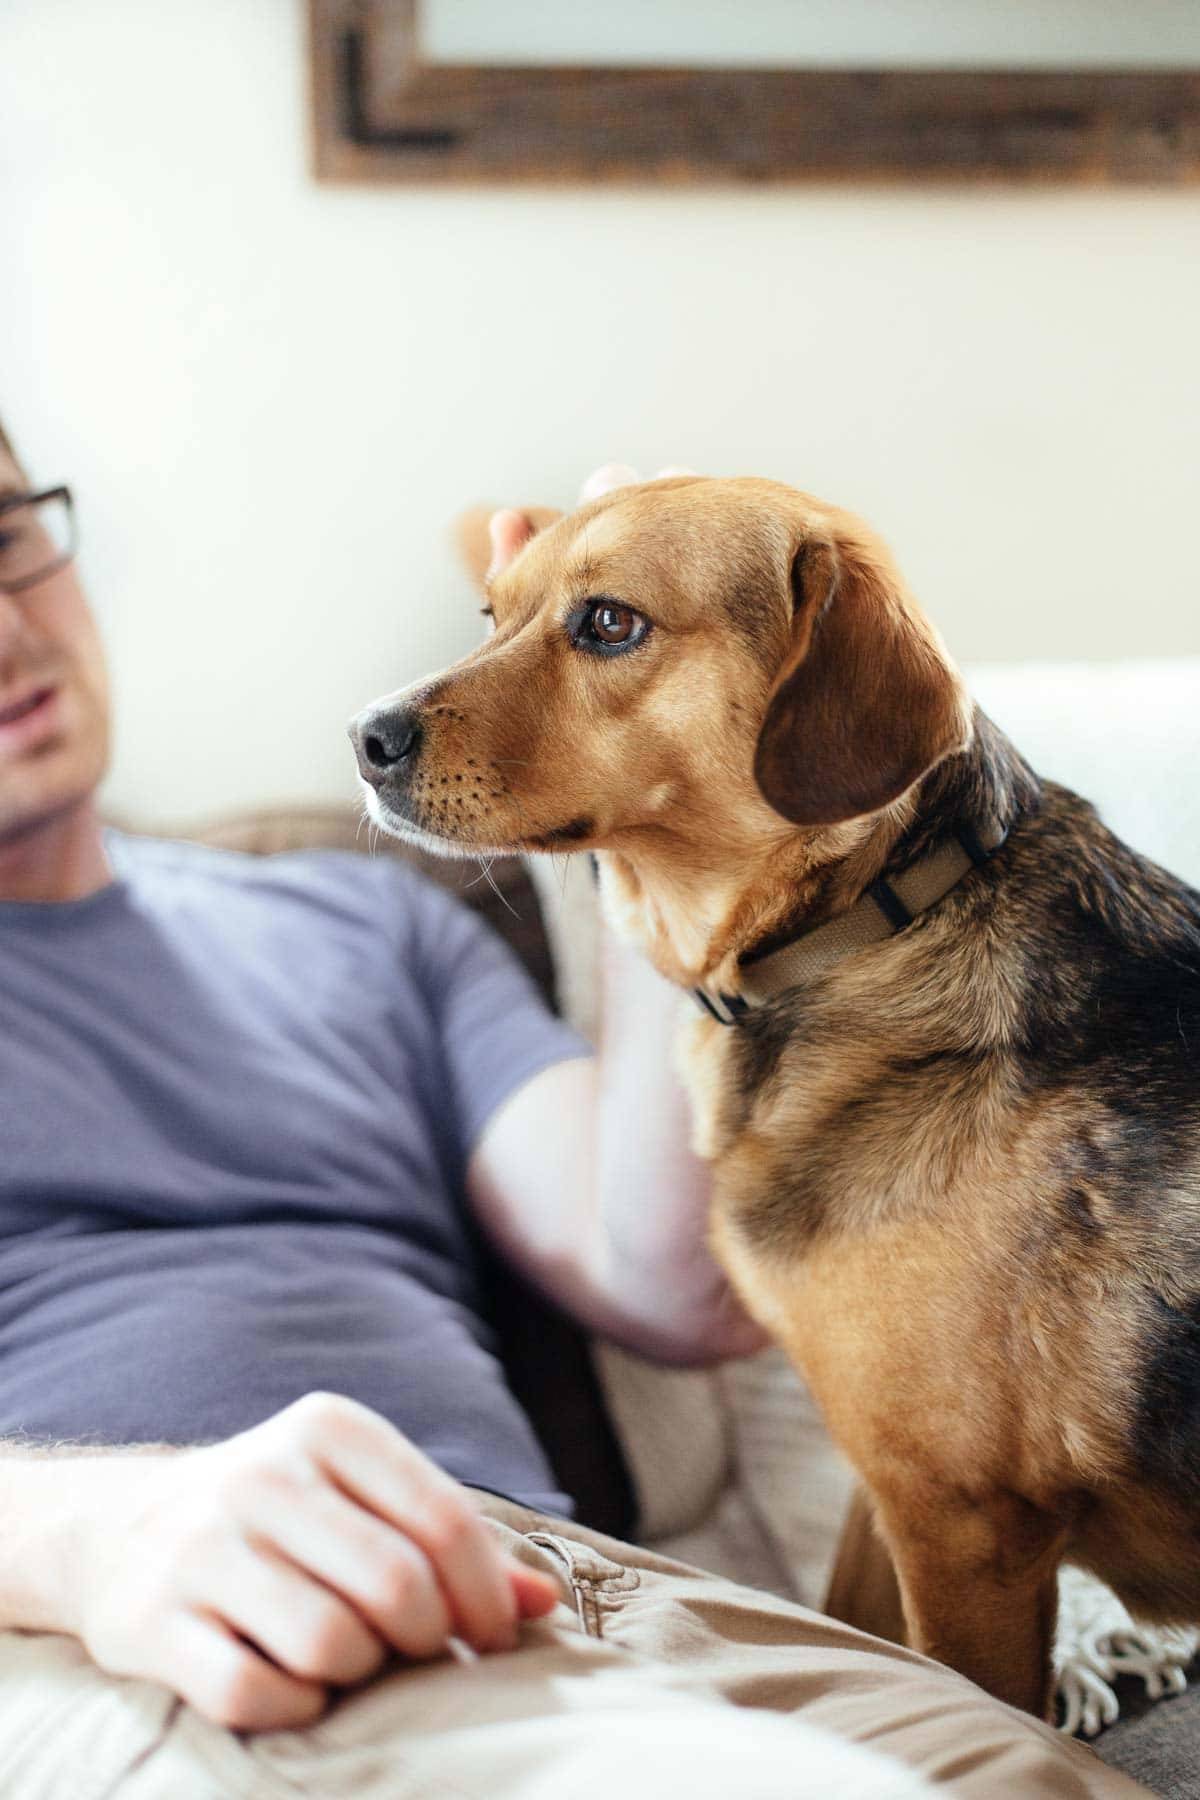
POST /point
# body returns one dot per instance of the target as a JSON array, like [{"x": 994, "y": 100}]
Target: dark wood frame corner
[{"x": 382, "y": 114}]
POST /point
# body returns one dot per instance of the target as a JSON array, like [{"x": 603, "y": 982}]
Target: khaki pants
[{"x": 624, "y": 1691}]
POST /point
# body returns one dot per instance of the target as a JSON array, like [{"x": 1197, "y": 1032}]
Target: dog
[{"x": 946, "y": 1054}]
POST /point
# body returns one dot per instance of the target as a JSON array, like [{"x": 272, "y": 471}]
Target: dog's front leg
[{"x": 979, "y": 1588}]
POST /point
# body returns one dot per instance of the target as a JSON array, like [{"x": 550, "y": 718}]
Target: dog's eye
[
  {"x": 606, "y": 626},
  {"x": 613, "y": 624}
]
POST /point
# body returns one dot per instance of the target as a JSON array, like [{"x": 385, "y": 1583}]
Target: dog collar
[{"x": 882, "y": 910}]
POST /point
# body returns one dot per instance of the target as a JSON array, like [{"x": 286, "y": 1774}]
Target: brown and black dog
[{"x": 957, "y": 1169}]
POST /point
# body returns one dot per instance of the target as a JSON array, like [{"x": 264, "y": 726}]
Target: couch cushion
[{"x": 1157, "y": 1742}]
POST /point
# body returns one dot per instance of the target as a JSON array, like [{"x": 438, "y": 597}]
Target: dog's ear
[
  {"x": 867, "y": 699},
  {"x": 473, "y": 536}
]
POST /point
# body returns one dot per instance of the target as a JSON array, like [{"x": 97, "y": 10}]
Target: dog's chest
[
  {"x": 861, "y": 1215},
  {"x": 846, "y": 1134}
]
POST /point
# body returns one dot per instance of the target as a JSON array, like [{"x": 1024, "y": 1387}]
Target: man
[{"x": 255, "y": 1437}]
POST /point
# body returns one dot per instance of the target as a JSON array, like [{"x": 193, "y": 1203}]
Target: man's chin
[{"x": 43, "y": 789}]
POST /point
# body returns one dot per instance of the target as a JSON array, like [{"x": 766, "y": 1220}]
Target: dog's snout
[{"x": 382, "y": 740}]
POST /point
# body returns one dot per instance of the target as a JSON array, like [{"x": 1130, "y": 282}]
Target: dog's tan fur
[{"x": 940, "y": 1208}]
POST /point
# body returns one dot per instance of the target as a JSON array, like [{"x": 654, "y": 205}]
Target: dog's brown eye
[
  {"x": 605, "y": 627},
  {"x": 613, "y": 624}
]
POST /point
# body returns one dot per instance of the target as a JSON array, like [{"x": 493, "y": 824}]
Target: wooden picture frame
[{"x": 383, "y": 114}]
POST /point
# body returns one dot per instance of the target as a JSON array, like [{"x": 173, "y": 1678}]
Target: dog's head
[{"x": 715, "y": 660}]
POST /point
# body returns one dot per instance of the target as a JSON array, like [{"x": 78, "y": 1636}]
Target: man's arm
[
  {"x": 252, "y": 1575},
  {"x": 584, "y": 1179}
]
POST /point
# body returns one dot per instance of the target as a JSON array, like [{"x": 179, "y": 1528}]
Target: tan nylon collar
[{"x": 884, "y": 909}]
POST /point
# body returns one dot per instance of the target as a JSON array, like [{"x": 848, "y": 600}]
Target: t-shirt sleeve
[{"x": 495, "y": 1029}]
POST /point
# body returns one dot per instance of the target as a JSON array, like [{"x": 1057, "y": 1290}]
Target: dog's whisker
[{"x": 485, "y": 874}]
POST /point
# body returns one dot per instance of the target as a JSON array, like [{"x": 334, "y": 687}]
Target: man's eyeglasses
[{"x": 37, "y": 537}]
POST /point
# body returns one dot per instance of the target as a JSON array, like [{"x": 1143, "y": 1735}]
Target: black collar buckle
[{"x": 726, "y": 1009}]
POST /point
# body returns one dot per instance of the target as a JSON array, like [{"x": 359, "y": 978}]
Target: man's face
[{"x": 53, "y": 694}]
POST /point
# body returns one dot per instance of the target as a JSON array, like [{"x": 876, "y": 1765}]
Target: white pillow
[{"x": 1124, "y": 735}]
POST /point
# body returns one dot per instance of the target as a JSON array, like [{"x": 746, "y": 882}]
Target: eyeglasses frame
[{"x": 10, "y": 504}]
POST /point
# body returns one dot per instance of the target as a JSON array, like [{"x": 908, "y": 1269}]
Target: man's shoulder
[{"x": 339, "y": 881}]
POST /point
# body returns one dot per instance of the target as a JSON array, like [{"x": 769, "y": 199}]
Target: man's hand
[
  {"x": 252, "y": 1575},
  {"x": 610, "y": 476},
  {"x": 488, "y": 541}
]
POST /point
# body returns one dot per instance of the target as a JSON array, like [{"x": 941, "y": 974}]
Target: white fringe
[{"x": 1098, "y": 1641}]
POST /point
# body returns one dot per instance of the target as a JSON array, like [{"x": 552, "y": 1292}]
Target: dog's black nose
[{"x": 382, "y": 740}]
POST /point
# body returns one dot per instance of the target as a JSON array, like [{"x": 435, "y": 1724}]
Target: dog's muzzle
[{"x": 386, "y": 742}]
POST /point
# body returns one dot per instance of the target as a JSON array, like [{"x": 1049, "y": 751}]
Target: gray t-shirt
[{"x": 237, "y": 1098}]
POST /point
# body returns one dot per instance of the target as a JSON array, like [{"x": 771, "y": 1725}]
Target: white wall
[{"x": 272, "y": 397}]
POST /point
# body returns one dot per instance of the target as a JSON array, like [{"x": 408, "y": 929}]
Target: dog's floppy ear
[
  {"x": 867, "y": 700},
  {"x": 474, "y": 538}
]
